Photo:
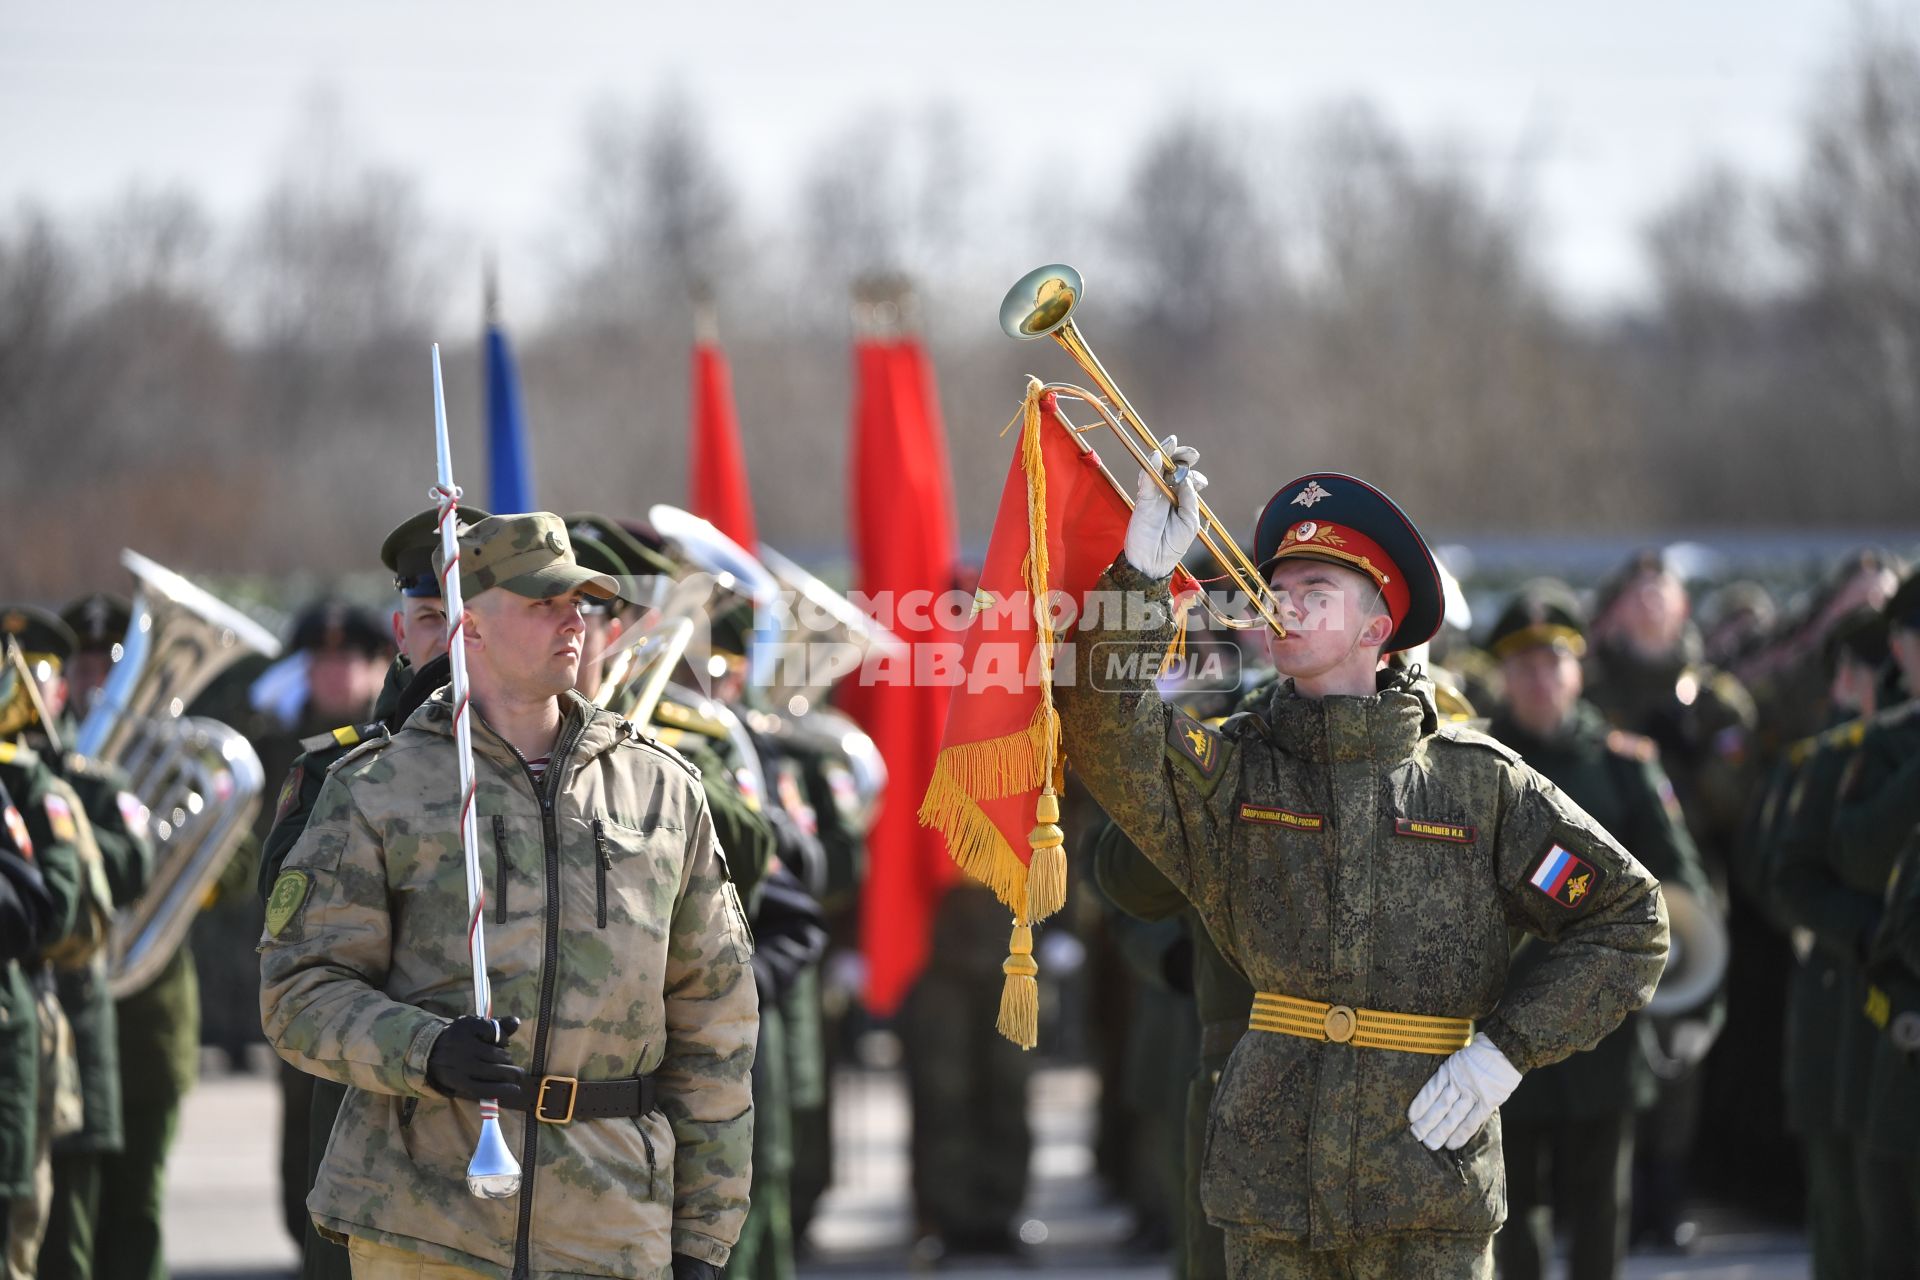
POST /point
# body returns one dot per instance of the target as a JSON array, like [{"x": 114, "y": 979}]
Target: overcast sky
[{"x": 1614, "y": 105}]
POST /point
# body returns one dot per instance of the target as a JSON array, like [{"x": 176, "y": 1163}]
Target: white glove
[
  {"x": 1462, "y": 1095},
  {"x": 1159, "y": 533}
]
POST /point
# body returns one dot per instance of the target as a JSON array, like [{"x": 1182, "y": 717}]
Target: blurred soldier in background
[
  {"x": 1876, "y": 812},
  {"x": 119, "y": 823},
  {"x": 1646, "y": 674},
  {"x": 418, "y": 625},
  {"x": 29, "y": 921},
  {"x": 69, "y": 861},
  {"x": 1568, "y": 1130},
  {"x": 1828, "y": 1067}
]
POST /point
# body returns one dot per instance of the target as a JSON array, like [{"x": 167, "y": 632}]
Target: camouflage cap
[{"x": 529, "y": 554}]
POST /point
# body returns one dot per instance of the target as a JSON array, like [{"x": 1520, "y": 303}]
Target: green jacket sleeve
[
  {"x": 705, "y": 1076},
  {"x": 1565, "y": 879},
  {"x": 1152, "y": 768},
  {"x": 1130, "y": 881},
  {"x": 325, "y": 955}
]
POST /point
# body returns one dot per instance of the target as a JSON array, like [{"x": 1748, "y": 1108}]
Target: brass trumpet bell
[{"x": 1040, "y": 305}]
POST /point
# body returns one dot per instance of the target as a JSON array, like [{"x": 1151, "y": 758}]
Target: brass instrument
[
  {"x": 836, "y": 633},
  {"x": 1697, "y": 954},
  {"x": 200, "y": 780},
  {"x": 1041, "y": 304}
]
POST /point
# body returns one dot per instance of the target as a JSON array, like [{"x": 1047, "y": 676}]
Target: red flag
[
  {"x": 904, "y": 543},
  {"x": 720, "y": 490},
  {"x": 993, "y": 794}
]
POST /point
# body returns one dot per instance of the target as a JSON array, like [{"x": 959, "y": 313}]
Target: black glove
[
  {"x": 685, "y": 1268},
  {"x": 467, "y": 1061},
  {"x": 1176, "y": 965}
]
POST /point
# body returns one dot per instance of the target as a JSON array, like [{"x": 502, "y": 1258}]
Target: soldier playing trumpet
[{"x": 1362, "y": 865}]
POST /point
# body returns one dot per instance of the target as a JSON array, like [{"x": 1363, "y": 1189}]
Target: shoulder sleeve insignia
[
  {"x": 1195, "y": 743},
  {"x": 1632, "y": 745},
  {"x": 1564, "y": 876},
  {"x": 17, "y": 828},
  {"x": 290, "y": 791},
  {"x": 289, "y": 894},
  {"x": 60, "y": 818}
]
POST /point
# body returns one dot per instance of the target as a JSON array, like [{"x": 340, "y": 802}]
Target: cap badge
[
  {"x": 1306, "y": 531},
  {"x": 1310, "y": 495},
  {"x": 554, "y": 544}
]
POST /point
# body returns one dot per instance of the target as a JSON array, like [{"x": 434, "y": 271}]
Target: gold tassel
[
  {"x": 1020, "y": 996},
  {"x": 1047, "y": 870}
]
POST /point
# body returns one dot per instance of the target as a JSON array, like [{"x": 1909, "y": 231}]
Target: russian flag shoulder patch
[{"x": 1564, "y": 876}]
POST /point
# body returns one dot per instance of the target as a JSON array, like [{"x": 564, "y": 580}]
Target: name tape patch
[
  {"x": 1564, "y": 877},
  {"x": 1272, "y": 817},
  {"x": 1422, "y": 829}
]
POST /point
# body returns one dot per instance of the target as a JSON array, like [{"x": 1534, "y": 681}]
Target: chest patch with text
[
  {"x": 1266, "y": 816},
  {"x": 1422, "y": 829},
  {"x": 1564, "y": 877}
]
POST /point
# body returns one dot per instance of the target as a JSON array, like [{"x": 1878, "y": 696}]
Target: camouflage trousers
[
  {"x": 27, "y": 1216},
  {"x": 375, "y": 1261},
  {"x": 1396, "y": 1257}
]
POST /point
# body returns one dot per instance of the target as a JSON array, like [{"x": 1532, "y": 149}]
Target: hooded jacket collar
[
  {"x": 1383, "y": 726},
  {"x": 599, "y": 730}
]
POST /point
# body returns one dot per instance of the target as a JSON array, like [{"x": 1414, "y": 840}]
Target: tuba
[{"x": 200, "y": 779}]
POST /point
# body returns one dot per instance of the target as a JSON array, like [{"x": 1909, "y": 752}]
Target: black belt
[{"x": 563, "y": 1099}]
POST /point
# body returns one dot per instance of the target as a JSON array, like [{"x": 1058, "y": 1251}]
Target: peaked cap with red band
[{"x": 1338, "y": 519}]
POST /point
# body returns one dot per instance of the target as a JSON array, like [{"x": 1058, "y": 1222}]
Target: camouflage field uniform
[
  {"x": 611, "y": 928},
  {"x": 1349, "y": 850}
]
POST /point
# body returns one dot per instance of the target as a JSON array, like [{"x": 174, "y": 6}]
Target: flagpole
[{"x": 493, "y": 1173}]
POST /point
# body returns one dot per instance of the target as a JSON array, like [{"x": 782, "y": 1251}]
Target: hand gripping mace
[{"x": 493, "y": 1173}]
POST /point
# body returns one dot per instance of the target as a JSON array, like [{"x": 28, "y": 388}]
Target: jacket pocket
[
  {"x": 1254, "y": 1166},
  {"x": 636, "y": 874}
]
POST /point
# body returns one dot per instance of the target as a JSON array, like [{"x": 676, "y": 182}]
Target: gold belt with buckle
[{"x": 1362, "y": 1028}]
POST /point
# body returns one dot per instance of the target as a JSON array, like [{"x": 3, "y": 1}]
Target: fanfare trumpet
[{"x": 1040, "y": 305}]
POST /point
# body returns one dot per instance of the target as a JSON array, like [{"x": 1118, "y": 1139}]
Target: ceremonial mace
[{"x": 493, "y": 1173}]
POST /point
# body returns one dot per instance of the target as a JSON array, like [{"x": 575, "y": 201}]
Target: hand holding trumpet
[{"x": 1162, "y": 527}]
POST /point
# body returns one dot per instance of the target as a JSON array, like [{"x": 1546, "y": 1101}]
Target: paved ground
[{"x": 223, "y": 1216}]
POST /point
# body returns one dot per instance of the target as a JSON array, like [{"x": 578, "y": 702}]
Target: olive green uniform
[
  {"x": 1877, "y": 809},
  {"x": 119, "y": 829},
  {"x": 1350, "y": 850},
  {"x": 1569, "y": 1127}
]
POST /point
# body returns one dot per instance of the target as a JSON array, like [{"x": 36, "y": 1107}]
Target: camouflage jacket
[
  {"x": 1350, "y": 850},
  {"x": 611, "y": 928}
]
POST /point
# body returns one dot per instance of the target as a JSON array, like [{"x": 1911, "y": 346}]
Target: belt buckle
[
  {"x": 540, "y": 1103},
  {"x": 1341, "y": 1023}
]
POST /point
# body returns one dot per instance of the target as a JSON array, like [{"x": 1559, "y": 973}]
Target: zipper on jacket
[
  {"x": 602, "y": 864},
  {"x": 499, "y": 869},
  {"x": 407, "y": 1107},
  {"x": 545, "y": 789}
]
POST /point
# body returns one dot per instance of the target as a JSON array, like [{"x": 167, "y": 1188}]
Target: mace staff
[{"x": 493, "y": 1173}]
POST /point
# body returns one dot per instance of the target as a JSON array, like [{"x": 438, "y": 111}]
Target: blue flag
[{"x": 509, "y": 469}]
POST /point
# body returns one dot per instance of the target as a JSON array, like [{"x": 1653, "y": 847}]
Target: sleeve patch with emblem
[
  {"x": 289, "y": 892},
  {"x": 60, "y": 818},
  {"x": 1564, "y": 877},
  {"x": 17, "y": 828},
  {"x": 290, "y": 790},
  {"x": 1196, "y": 743}
]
